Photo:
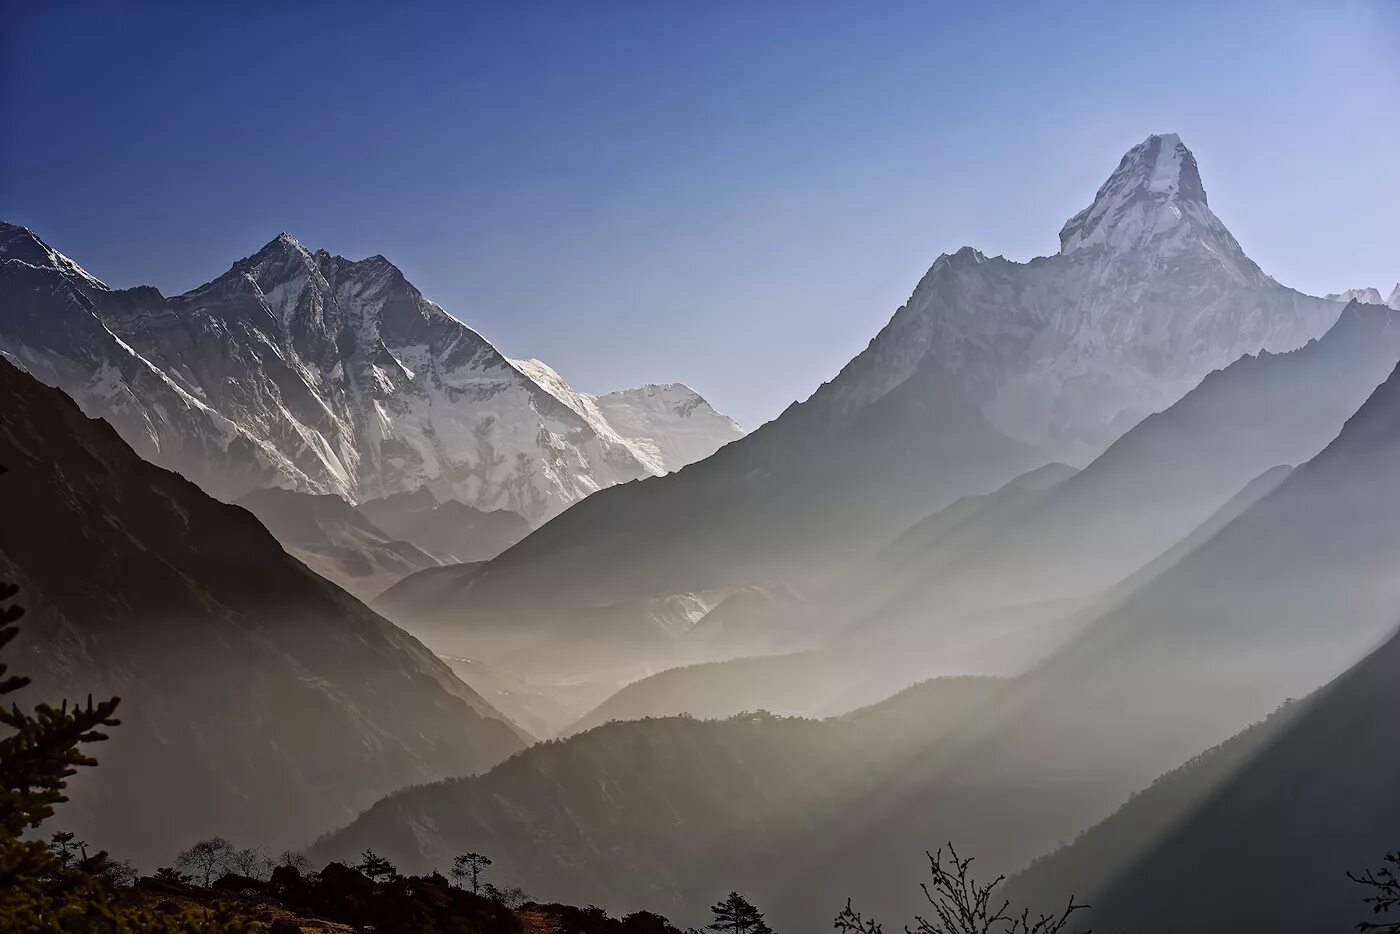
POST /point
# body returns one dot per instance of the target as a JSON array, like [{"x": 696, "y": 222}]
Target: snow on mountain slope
[
  {"x": 667, "y": 426},
  {"x": 1368, "y": 296},
  {"x": 314, "y": 372},
  {"x": 672, "y": 423},
  {"x": 1148, "y": 294}
]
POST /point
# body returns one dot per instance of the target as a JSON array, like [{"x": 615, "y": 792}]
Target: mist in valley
[{"x": 1084, "y": 567}]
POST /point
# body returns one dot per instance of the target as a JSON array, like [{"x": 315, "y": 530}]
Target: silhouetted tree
[
  {"x": 961, "y": 905},
  {"x": 375, "y": 866},
  {"x": 1384, "y": 887},
  {"x": 253, "y": 863},
  {"x": 39, "y": 752},
  {"x": 470, "y": 865},
  {"x": 295, "y": 860},
  {"x": 735, "y": 915},
  {"x": 207, "y": 860},
  {"x": 512, "y": 896},
  {"x": 117, "y": 873},
  {"x": 171, "y": 876},
  {"x": 67, "y": 848}
]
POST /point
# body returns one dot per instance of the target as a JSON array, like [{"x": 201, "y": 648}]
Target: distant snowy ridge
[
  {"x": 323, "y": 374},
  {"x": 1368, "y": 297}
]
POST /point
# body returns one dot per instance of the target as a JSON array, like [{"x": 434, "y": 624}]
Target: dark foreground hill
[
  {"x": 1260, "y": 833},
  {"x": 661, "y": 814},
  {"x": 259, "y": 700}
]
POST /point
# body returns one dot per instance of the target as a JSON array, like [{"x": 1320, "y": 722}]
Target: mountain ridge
[{"x": 330, "y": 375}]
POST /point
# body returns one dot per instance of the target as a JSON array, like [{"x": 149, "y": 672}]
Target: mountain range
[
  {"x": 258, "y": 700},
  {"x": 327, "y": 375},
  {"x": 991, "y": 368},
  {"x": 1042, "y": 571},
  {"x": 1283, "y": 592},
  {"x": 1370, "y": 296}
]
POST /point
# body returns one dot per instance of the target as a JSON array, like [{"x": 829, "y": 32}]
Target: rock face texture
[{"x": 327, "y": 375}]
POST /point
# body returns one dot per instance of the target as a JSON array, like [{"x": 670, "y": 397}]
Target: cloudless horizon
[{"x": 735, "y": 196}]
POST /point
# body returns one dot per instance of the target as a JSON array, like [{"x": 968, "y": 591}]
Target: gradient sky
[{"x": 735, "y": 195}]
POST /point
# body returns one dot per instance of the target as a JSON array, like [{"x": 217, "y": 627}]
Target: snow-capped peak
[
  {"x": 1365, "y": 296},
  {"x": 1155, "y": 188},
  {"x": 21, "y": 244},
  {"x": 1368, "y": 296}
]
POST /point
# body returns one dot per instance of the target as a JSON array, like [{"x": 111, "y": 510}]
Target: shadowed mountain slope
[
  {"x": 1259, "y": 833},
  {"x": 259, "y": 700},
  {"x": 661, "y": 812},
  {"x": 328, "y": 535},
  {"x": 448, "y": 528}
]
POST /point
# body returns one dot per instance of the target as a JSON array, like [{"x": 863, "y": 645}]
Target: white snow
[
  {"x": 292, "y": 354},
  {"x": 1365, "y": 296}
]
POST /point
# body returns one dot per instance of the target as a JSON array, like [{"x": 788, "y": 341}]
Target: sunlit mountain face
[{"x": 1086, "y": 564}]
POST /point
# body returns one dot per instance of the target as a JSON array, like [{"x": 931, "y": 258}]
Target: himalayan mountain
[
  {"x": 259, "y": 701},
  {"x": 327, "y": 375},
  {"x": 1289, "y": 590},
  {"x": 1369, "y": 296},
  {"x": 992, "y": 368}
]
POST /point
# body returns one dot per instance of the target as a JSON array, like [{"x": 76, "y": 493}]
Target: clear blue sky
[{"x": 736, "y": 195}]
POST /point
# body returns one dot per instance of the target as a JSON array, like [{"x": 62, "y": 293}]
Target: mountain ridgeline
[
  {"x": 991, "y": 368},
  {"x": 258, "y": 700},
  {"x": 328, "y": 375},
  {"x": 1044, "y": 571}
]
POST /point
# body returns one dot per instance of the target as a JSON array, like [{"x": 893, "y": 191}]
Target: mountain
[
  {"x": 323, "y": 374},
  {"x": 1284, "y": 598},
  {"x": 1368, "y": 296},
  {"x": 328, "y": 535},
  {"x": 991, "y": 368},
  {"x": 661, "y": 813},
  {"x": 672, "y": 422},
  {"x": 1291, "y": 805},
  {"x": 832, "y": 678},
  {"x": 1164, "y": 477},
  {"x": 1286, "y": 586},
  {"x": 259, "y": 700},
  {"x": 450, "y": 528}
]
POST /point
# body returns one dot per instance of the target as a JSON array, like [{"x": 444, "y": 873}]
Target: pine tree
[
  {"x": 375, "y": 866},
  {"x": 66, "y": 847},
  {"x": 39, "y": 753},
  {"x": 470, "y": 864},
  {"x": 735, "y": 915}
]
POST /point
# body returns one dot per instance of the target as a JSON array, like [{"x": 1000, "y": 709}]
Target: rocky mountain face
[
  {"x": 1148, "y": 294},
  {"x": 993, "y": 367},
  {"x": 327, "y": 375},
  {"x": 259, "y": 701}
]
